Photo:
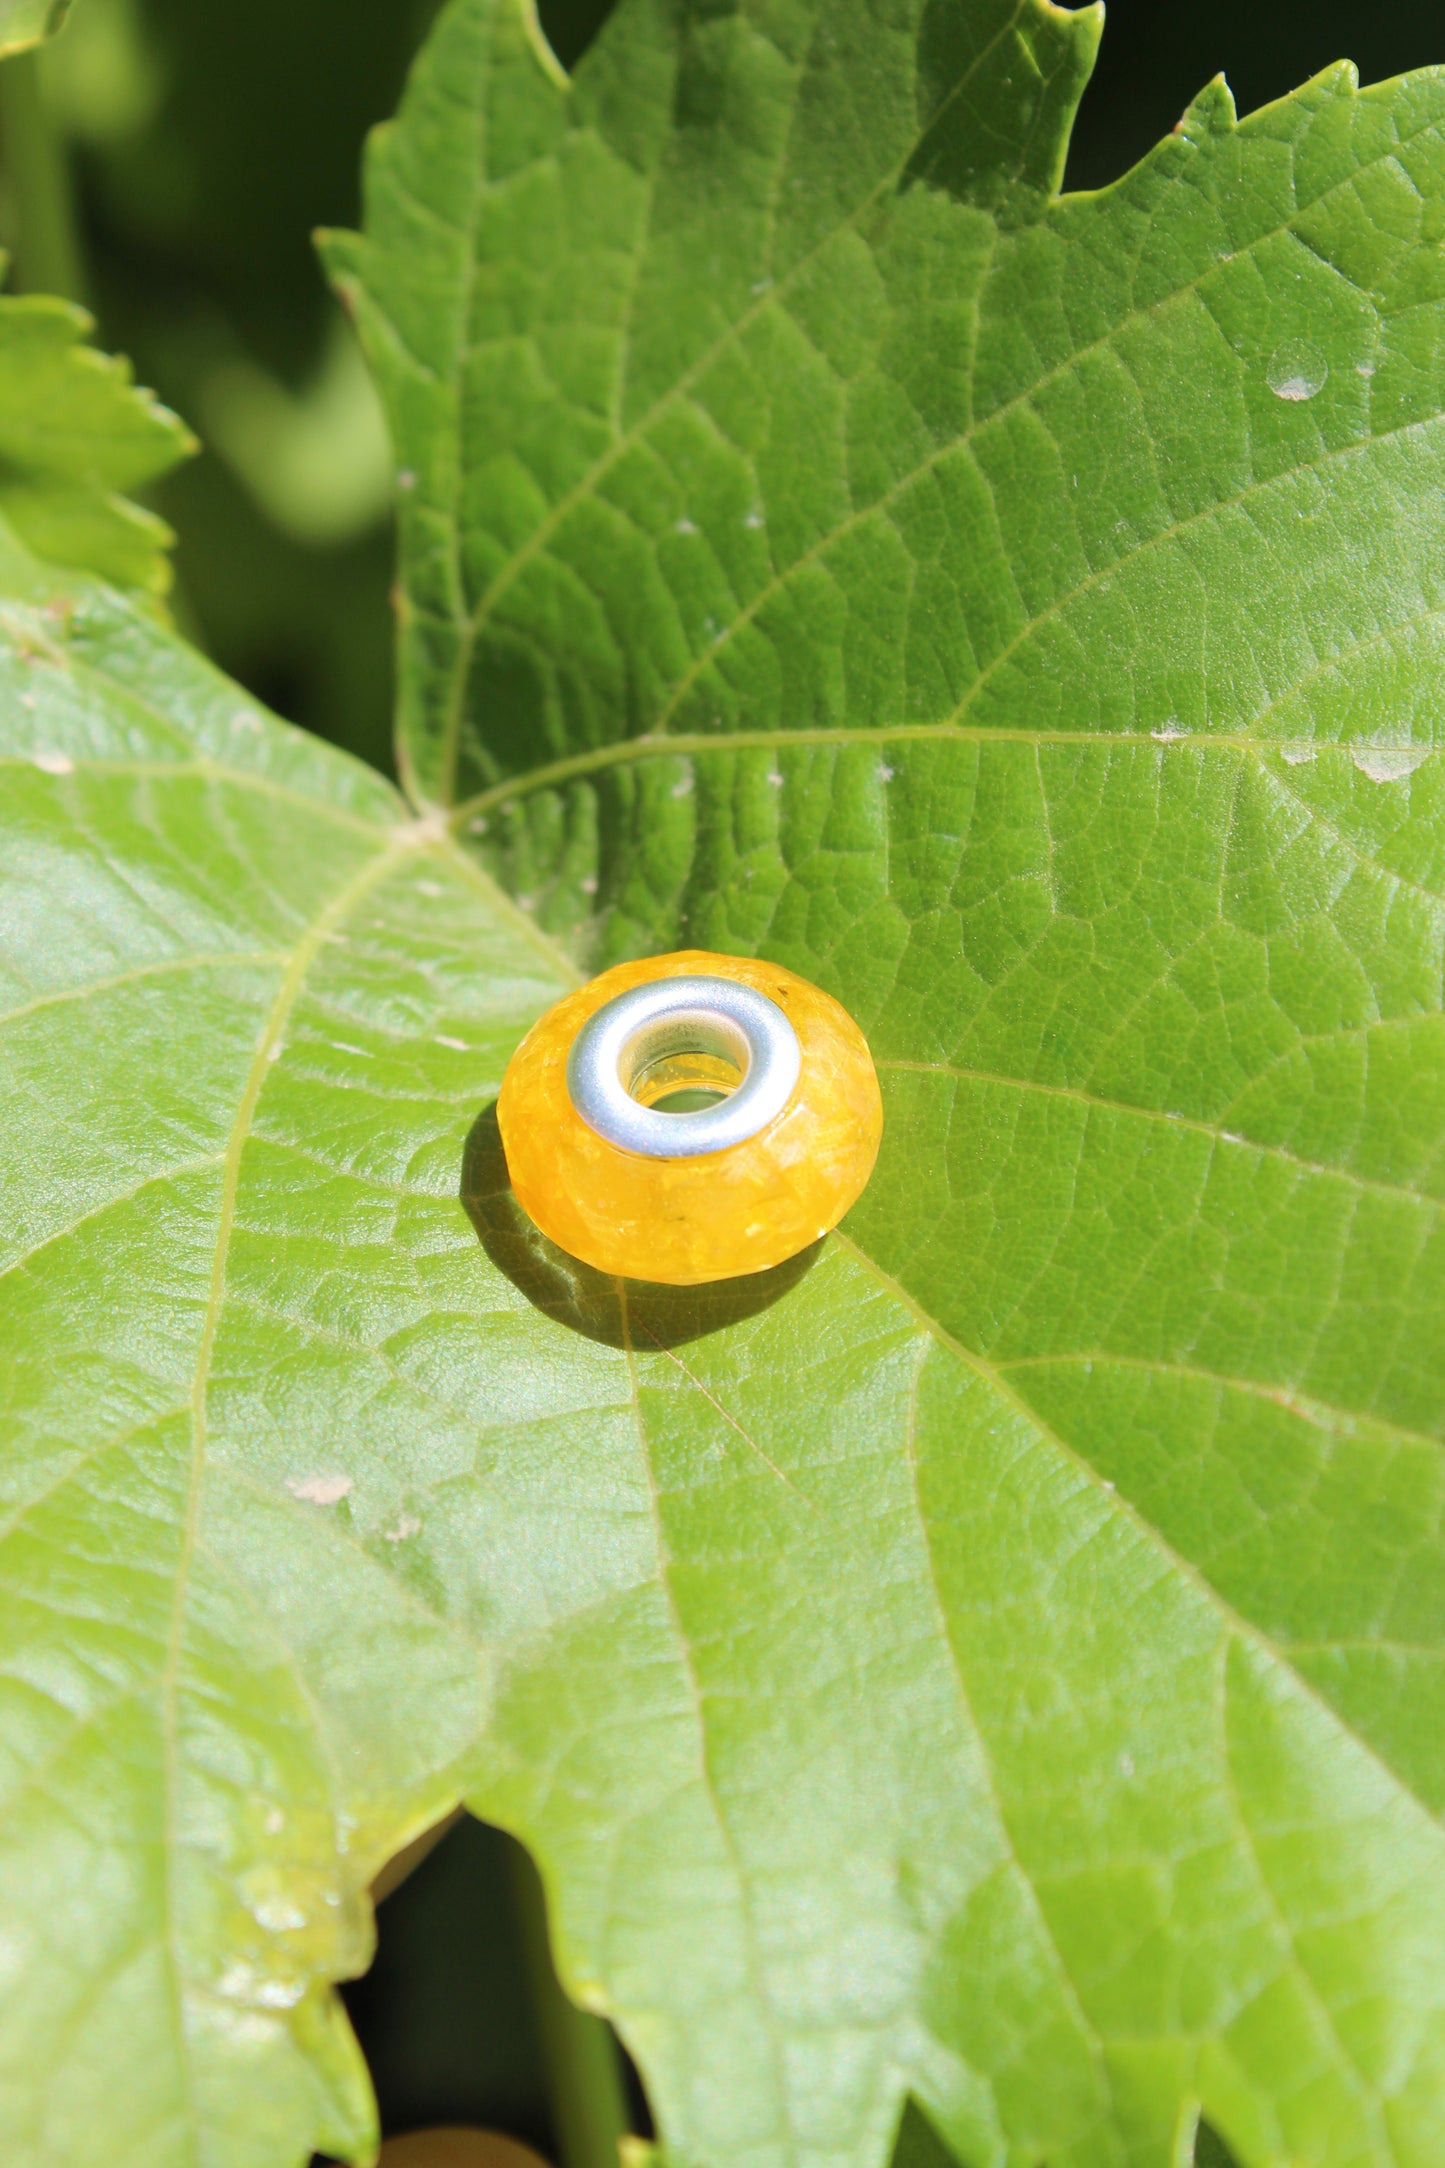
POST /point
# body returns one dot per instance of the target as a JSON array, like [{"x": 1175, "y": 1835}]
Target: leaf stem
[
  {"x": 48, "y": 257},
  {"x": 579, "y": 2054}
]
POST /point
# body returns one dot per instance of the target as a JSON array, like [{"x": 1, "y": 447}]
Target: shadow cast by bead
[{"x": 615, "y": 1312}]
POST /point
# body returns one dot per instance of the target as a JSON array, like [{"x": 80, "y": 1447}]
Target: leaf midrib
[
  {"x": 1324, "y": 1414},
  {"x": 756, "y": 1973},
  {"x": 204, "y": 770},
  {"x": 1231, "y": 1620},
  {"x": 164, "y": 967},
  {"x": 960, "y": 1678},
  {"x": 108, "y": 1203},
  {"x": 1227, "y": 1139},
  {"x": 303, "y": 955},
  {"x": 1114, "y": 567},
  {"x": 624, "y": 752},
  {"x": 1367, "y": 2096}
]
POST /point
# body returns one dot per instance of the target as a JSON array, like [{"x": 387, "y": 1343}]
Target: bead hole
[
  {"x": 686, "y": 1083},
  {"x": 685, "y": 1063}
]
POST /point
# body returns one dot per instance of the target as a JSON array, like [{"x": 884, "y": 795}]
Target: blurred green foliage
[
  {"x": 199, "y": 147},
  {"x": 166, "y": 161},
  {"x": 24, "y": 22}
]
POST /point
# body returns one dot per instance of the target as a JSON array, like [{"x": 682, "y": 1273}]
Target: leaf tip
[{"x": 1212, "y": 113}]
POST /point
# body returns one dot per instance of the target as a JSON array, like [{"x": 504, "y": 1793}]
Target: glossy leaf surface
[{"x": 999, "y": 1659}]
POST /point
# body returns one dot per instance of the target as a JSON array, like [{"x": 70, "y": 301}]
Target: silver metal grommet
[{"x": 637, "y": 1038}]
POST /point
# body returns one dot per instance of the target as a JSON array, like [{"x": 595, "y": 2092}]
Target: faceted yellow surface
[{"x": 708, "y": 1218}]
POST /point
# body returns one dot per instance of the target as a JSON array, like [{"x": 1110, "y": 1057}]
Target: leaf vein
[
  {"x": 1245, "y": 1629},
  {"x": 1189, "y": 1124}
]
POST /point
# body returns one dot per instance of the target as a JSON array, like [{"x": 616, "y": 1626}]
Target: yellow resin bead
[{"x": 709, "y": 1216}]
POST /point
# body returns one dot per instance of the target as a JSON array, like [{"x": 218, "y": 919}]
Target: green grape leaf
[
  {"x": 75, "y": 435},
  {"x": 229, "y": 1682},
  {"x": 24, "y": 23},
  {"x": 997, "y": 1660}
]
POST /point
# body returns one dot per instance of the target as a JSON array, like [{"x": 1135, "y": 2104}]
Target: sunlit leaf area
[{"x": 944, "y": 497}]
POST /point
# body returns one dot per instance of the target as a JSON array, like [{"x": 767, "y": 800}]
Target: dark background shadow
[{"x": 618, "y": 1312}]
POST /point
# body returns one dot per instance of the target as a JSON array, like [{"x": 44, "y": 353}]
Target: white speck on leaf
[
  {"x": 684, "y": 526},
  {"x": 588, "y": 884},
  {"x": 243, "y": 1984},
  {"x": 526, "y": 903},
  {"x": 1389, "y": 763},
  {"x": 320, "y": 1490},
  {"x": 54, "y": 763},
  {"x": 761, "y": 286},
  {"x": 406, "y": 479},
  {"x": 754, "y": 519},
  {"x": 1126, "y": 1765},
  {"x": 775, "y": 779},
  {"x": 270, "y": 1903},
  {"x": 1364, "y": 368},
  {"x": 1296, "y": 371},
  {"x": 431, "y": 889},
  {"x": 407, "y": 1526},
  {"x": 682, "y": 788},
  {"x": 1170, "y": 734},
  {"x": 1295, "y": 756},
  {"x": 478, "y": 827},
  {"x": 459, "y": 1046}
]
